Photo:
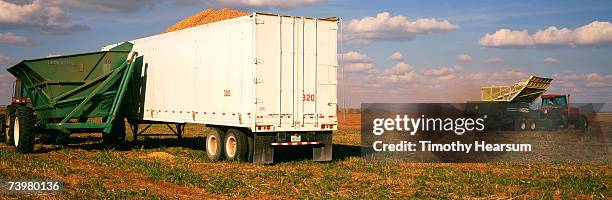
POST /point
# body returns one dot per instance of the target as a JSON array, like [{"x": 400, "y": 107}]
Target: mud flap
[
  {"x": 263, "y": 152},
  {"x": 323, "y": 152}
]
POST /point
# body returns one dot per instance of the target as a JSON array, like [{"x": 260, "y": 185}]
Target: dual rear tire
[
  {"x": 22, "y": 127},
  {"x": 231, "y": 145},
  {"x": 525, "y": 125}
]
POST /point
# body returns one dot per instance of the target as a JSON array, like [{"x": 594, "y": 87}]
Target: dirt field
[{"x": 162, "y": 168}]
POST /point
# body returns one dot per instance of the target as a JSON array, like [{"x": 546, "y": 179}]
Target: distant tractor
[
  {"x": 508, "y": 107},
  {"x": 556, "y": 107}
]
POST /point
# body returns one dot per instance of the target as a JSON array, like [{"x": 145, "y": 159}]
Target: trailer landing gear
[{"x": 178, "y": 130}]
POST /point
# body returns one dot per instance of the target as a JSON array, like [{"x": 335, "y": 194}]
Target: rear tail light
[
  {"x": 264, "y": 128},
  {"x": 327, "y": 126}
]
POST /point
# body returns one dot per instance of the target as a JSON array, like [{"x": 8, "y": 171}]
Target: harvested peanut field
[{"x": 163, "y": 168}]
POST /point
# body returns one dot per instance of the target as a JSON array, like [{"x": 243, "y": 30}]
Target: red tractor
[
  {"x": 556, "y": 107},
  {"x": 7, "y": 117}
]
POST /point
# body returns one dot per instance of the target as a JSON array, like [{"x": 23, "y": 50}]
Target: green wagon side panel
[{"x": 57, "y": 85}]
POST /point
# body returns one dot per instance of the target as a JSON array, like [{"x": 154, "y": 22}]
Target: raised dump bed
[
  {"x": 67, "y": 92},
  {"x": 524, "y": 91}
]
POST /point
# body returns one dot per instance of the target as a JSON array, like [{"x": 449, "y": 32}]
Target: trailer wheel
[
  {"x": 532, "y": 125},
  {"x": 55, "y": 137},
  {"x": 23, "y": 130},
  {"x": 7, "y": 136},
  {"x": 214, "y": 144},
  {"x": 236, "y": 146},
  {"x": 520, "y": 125}
]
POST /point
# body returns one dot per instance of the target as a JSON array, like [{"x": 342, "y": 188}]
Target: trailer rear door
[{"x": 295, "y": 72}]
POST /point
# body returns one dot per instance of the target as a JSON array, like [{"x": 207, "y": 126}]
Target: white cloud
[
  {"x": 405, "y": 76},
  {"x": 358, "y": 67},
  {"x": 356, "y": 62},
  {"x": 385, "y": 27},
  {"x": 464, "y": 58},
  {"x": 399, "y": 68},
  {"x": 550, "y": 60},
  {"x": 507, "y": 38},
  {"x": 594, "y": 34},
  {"x": 7, "y": 59},
  {"x": 441, "y": 71},
  {"x": 494, "y": 61},
  {"x": 397, "y": 56},
  {"x": 553, "y": 36},
  {"x": 37, "y": 16},
  {"x": 586, "y": 84},
  {"x": 10, "y": 38},
  {"x": 354, "y": 56}
]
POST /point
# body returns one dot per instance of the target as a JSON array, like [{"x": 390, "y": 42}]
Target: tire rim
[
  {"x": 523, "y": 126},
  {"x": 7, "y": 122},
  {"x": 533, "y": 126},
  {"x": 16, "y": 131},
  {"x": 230, "y": 146},
  {"x": 211, "y": 145}
]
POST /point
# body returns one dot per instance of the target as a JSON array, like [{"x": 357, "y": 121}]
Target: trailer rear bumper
[
  {"x": 294, "y": 143},
  {"x": 266, "y": 143}
]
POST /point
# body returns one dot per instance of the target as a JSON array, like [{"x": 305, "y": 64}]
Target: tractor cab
[
  {"x": 555, "y": 100},
  {"x": 556, "y": 106},
  {"x": 20, "y": 96}
]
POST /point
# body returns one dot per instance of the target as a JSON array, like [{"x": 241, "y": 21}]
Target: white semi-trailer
[{"x": 260, "y": 82}]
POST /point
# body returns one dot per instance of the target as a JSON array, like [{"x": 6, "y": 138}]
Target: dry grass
[{"x": 161, "y": 167}]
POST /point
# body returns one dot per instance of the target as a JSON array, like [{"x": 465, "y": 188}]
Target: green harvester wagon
[{"x": 74, "y": 93}]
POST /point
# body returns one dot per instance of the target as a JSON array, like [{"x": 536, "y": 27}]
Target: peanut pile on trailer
[
  {"x": 260, "y": 82},
  {"x": 205, "y": 17}
]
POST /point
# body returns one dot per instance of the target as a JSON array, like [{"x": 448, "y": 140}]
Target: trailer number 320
[{"x": 308, "y": 97}]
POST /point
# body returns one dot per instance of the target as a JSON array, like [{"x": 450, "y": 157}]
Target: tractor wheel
[
  {"x": 236, "y": 145},
  {"x": 563, "y": 122},
  {"x": 214, "y": 144},
  {"x": 117, "y": 133},
  {"x": 582, "y": 122},
  {"x": 23, "y": 130},
  {"x": 7, "y": 136},
  {"x": 2, "y": 127}
]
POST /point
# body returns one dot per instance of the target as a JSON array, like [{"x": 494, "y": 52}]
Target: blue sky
[{"x": 429, "y": 69}]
